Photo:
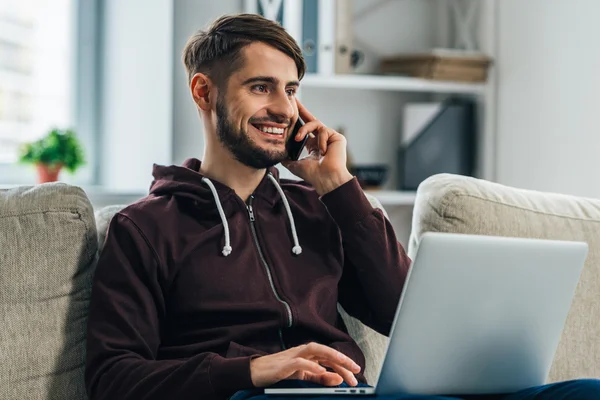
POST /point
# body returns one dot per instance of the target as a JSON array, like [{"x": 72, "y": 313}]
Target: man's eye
[
  {"x": 291, "y": 92},
  {"x": 260, "y": 88}
]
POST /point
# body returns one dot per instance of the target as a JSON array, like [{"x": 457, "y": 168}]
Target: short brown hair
[{"x": 216, "y": 51}]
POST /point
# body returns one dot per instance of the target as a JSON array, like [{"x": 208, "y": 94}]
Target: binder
[
  {"x": 326, "y": 32},
  {"x": 322, "y": 28},
  {"x": 310, "y": 35},
  {"x": 343, "y": 36},
  {"x": 335, "y": 36},
  {"x": 439, "y": 139}
]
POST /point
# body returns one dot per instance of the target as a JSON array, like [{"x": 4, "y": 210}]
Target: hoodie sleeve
[
  {"x": 376, "y": 264},
  {"x": 124, "y": 324}
]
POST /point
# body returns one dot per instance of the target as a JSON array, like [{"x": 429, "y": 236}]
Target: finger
[
  {"x": 308, "y": 128},
  {"x": 347, "y": 375},
  {"x": 299, "y": 364},
  {"x": 318, "y": 142},
  {"x": 321, "y": 352},
  {"x": 312, "y": 144},
  {"x": 326, "y": 379},
  {"x": 323, "y": 134},
  {"x": 324, "y": 139},
  {"x": 304, "y": 113},
  {"x": 300, "y": 167}
]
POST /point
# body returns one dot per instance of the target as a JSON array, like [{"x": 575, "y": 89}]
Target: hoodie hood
[
  {"x": 207, "y": 194},
  {"x": 186, "y": 181}
]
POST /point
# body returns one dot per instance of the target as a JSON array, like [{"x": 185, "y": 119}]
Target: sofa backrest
[
  {"x": 48, "y": 249},
  {"x": 451, "y": 203}
]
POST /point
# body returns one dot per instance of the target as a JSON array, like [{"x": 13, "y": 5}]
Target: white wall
[
  {"x": 137, "y": 78},
  {"x": 189, "y": 16},
  {"x": 147, "y": 114},
  {"x": 548, "y": 132}
]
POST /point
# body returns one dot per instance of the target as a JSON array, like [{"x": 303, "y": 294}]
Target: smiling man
[{"x": 225, "y": 278}]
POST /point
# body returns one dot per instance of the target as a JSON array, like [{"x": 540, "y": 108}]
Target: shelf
[
  {"x": 394, "y": 197},
  {"x": 390, "y": 83}
]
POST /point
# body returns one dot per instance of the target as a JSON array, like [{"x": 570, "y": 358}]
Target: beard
[{"x": 241, "y": 146}]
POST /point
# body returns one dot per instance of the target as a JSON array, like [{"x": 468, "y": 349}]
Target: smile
[{"x": 270, "y": 131}]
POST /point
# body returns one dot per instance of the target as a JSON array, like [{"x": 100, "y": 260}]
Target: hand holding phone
[
  {"x": 293, "y": 147},
  {"x": 325, "y": 169}
]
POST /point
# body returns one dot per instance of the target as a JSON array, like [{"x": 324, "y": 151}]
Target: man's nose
[{"x": 283, "y": 107}]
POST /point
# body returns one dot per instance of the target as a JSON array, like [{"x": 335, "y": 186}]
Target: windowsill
[{"x": 99, "y": 196}]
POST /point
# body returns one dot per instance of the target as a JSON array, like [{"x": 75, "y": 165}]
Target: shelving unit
[
  {"x": 368, "y": 106},
  {"x": 391, "y": 198},
  {"x": 390, "y": 83}
]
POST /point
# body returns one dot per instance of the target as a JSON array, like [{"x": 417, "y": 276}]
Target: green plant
[{"x": 58, "y": 147}]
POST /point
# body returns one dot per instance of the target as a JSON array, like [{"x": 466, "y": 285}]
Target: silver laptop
[{"x": 477, "y": 315}]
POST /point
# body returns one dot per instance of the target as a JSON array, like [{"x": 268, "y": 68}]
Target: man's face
[{"x": 256, "y": 114}]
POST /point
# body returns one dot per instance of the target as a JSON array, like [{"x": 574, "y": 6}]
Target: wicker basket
[{"x": 448, "y": 67}]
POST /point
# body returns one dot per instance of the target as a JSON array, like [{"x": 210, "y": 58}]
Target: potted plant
[{"x": 57, "y": 150}]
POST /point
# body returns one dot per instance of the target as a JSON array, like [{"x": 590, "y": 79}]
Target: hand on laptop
[{"x": 306, "y": 363}]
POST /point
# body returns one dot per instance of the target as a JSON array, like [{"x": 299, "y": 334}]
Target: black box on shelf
[{"x": 446, "y": 144}]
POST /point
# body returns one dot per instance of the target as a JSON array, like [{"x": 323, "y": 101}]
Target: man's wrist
[{"x": 333, "y": 182}]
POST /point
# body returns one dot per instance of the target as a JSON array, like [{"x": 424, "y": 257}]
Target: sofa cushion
[
  {"x": 48, "y": 250},
  {"x": 451, "y": 203}
]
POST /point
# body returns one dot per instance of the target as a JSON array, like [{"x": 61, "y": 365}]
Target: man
[{"x": 225, "y": 278}]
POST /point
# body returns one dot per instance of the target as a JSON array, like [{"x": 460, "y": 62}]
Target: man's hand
[
  {"x": 305, "y": 363},
  {"x": 325, "y": 167}
]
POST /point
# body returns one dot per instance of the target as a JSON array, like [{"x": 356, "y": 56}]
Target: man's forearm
[{"x": 372, "y": 249}]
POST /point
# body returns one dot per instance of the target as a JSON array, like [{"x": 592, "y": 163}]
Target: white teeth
[{"x": 268, "y": 129}]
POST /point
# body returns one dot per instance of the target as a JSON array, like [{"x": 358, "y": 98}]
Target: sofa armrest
[{"x": 459, "y": 204}]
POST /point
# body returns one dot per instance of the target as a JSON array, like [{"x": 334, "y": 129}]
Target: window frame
[{"x": 85, "y": 98}]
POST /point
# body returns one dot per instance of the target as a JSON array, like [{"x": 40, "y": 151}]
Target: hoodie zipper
[{"x": 268, "y": 270}]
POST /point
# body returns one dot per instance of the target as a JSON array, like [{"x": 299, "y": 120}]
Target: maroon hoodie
[{"x": 180, "y": 304}]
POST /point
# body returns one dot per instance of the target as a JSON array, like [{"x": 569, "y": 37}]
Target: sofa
[{"x": 50, "y": 236}]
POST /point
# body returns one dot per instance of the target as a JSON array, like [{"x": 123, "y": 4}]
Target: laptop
[{"x": 477, "y": 315}]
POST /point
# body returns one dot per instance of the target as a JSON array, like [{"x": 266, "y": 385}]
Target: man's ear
[{"x": 200, "y": 87}]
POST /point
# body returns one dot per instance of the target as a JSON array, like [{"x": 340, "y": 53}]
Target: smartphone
[{"x": 294, "y": 148}]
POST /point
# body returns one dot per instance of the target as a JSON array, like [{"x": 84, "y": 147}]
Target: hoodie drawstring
[
  {"x": 296, "y": 249},
  {"x": 227, "y": 248}
]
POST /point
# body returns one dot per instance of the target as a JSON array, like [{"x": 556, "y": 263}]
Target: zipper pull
[
  {"x": 251, "y": 212},
  {"x": 250, "y": 209}
]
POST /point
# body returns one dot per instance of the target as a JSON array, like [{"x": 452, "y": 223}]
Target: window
[{"x": 37, "y": 46}]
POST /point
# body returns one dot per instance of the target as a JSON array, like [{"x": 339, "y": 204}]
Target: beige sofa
[{"x": 49, "y": 244}]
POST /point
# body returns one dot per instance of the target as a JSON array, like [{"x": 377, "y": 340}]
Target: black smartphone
[{"x": 294, "y": 148}]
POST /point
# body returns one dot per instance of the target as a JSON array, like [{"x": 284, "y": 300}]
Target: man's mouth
[{"x": 270, "y": 130}]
